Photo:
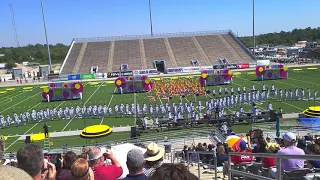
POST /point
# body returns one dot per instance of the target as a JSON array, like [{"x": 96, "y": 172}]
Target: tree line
[
  {"x": 284, "y": 38},
  {"x": 33, "y": 53}
]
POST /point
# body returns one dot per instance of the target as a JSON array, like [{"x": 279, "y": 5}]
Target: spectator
[
  {"x": 221, "y": 155},
  {"x": 315, "y": 150},
  {"x": 302, "y": 144},
  {"x": 260, "y": 148},
  {"x": 30, "y": 159},
  {"x": 242, "y": 158},
  {"x": 172, "y": 172},
  {"x": 80, "y": 170},
  {"x": 97, "y": 157},
  {"x": 289, "y": 140},
  {"x": 153, "y": 157},
  {"x": 64, "y": 173},
  {"x": 13, "y": 173},
  {"x": 268, "y": 162},
  {"x": 135, "y": 162},
  {"x": 83, "y": 155},
  {"x": 185, "y": 152},
  {"x": 2, "y": 145}
]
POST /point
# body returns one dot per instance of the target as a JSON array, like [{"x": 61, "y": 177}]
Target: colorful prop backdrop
[
  {"x": 276, "y": 71},
  {"x": 216, "y": 77},
  {"x": 132, "y": 84},
  {"x": 63, "y": 91}
]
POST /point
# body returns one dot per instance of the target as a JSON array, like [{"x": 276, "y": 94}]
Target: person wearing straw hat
[{"x": 153, "y": 157}]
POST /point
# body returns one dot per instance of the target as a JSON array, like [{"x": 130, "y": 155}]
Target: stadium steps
[
  {"x": 72, "y": 59},
  {"x": 80, "y": 58},
  {"x": 207, "y": 60},
  {"x": 185, "y": 50},
  {"x": 127, "y": 52},
  {"x": 111, "y": 54},
  {"x": 143, "y": 54},
  {"x": 214, "y": 48},
  {"x": 46, "y": 145},
  {"x": 155, "y": 49},
  {"x": 170, "y": 52},
  {"x": 96, "y": 54},
  {"x": 233, "y": 52},
  {"x": 245, "y": 57}
]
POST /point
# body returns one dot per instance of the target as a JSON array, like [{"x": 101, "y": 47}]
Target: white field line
[
  {"x": 83, "y": 104},
  {"x": 109, "y": 104},
  {"x": 9, "y": 96},
  {"x": 304, "y": 81},
  {"x": 32, "y": 126},
  {"x": 20, "y": 102}
]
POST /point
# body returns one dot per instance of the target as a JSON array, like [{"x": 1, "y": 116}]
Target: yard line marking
[
  {"x": 109, "y": 104},
  {"x": 83, "y": 104},
  {"x": 303, "y": 81},
  {"x": 9, "y": 97},
  {"x": 19, "y": 102}
]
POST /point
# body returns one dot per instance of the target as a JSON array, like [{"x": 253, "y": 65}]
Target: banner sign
[
  {"x": 191, "y": 69},
  {"x": 153, "y": 71},
  {"x": 74, "y": 77},
  {"x": 231, "y": 66},
  {"x": 146, "y": 72},
  {"x": 219, "y": 66},
  {"x": 87, "y": 76},
  {"x": 206, "y": 68},
  {"x": 174, "y": 70},
  {"x": 53, "y": 76},
  {"x": 98, "y": 75},
  {"x": 243, "y": 65},
  {"x": 252, "y": 65},
  {"x": 119, "y": 74}
]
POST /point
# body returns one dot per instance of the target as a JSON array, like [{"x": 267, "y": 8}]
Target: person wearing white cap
[
  {"x": 96, "y": 158},
  {"x": 289, "y": 140},
  {"x": 153, "y": 157}
]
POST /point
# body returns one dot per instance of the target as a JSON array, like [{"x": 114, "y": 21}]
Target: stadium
[{"x": 105, "y": 81}]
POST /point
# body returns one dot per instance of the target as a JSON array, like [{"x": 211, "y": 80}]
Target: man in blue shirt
[{"x": 135, "y": 163}]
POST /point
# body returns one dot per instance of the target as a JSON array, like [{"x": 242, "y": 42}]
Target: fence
[{"x": 278, "y": 159}]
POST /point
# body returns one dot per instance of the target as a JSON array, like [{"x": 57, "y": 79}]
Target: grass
[{"x": 19, "y": 100}]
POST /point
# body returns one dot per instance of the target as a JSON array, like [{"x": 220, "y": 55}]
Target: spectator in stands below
[
  {"x": 64, "y": 173},
  {"x": 97, "y": 156},
  {"x": 244, "y": 149},
  {"x": 135, "y": 163},
  {"x": 221, "y": 155},
  {"x": 289, "y": 141},
  {"x": 153, "y": 157},
  {"x": 302, "y": 144},
  {"x": 30, "y": 159},
  {"x": 315, "y": 150},
  {"x": 80, "y": 170},
  {"x": 172, "y": 172},
  {"x": 268, "y": 162}
]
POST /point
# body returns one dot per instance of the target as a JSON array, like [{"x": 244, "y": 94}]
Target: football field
[{"x": 102, "y": 93}]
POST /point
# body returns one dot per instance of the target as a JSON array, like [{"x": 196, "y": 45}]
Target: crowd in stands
[{"x": 97, "y": 163}]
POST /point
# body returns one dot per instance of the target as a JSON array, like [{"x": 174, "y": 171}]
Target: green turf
[{"x": 20, "y": 101}]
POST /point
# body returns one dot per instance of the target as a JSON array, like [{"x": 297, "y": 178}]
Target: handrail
[
  {"x": 278, "y": 163},
  {"x": 149, "y": 36},
  {"x": 198, "y": 157}
]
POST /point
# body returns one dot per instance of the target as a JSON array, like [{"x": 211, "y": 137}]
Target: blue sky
[{"x": 67, "y": 19}]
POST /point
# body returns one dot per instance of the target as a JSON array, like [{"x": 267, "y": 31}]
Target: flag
[{"x": 277, "y": 126}]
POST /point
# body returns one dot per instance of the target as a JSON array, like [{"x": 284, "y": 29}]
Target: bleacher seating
[
  {"x": 96, "y": 54},
  {"x": 127, "y": 52},
  {"x": 72, "y": 59},
  {"x": 185, "y": 50},
  {"x": 155, "y": 49},
  {"x": 140, "y": 52}
]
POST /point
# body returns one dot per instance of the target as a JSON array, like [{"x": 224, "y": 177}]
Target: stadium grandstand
[{"x": 159, "y": 52}]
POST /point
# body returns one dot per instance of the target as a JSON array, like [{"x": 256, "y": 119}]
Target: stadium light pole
[
  {"x": 150, "y": 18},
  {"x": 253, "y": 36},
  {"x": 45, "y": 32}
]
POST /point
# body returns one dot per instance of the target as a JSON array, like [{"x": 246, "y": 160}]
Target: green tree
[{"x": 10, "y": 65}]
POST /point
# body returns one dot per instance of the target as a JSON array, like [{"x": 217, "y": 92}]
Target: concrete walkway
[{"x": 77, "y": 133}]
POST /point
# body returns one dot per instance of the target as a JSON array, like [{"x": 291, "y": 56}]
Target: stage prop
[
  {"x": 133, "y": 84},
  {"x": 216, "y": 77},
  {"x": 311, "y": 118},
  {"x": 275, "y": 71},
  {"x": 57, "y": 91},
  {"x": 96, "y": 131}
]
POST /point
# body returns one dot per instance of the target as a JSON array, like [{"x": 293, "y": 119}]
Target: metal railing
[
  {"x": 277, "y": 157},
  {"x": 149, "y": 36}
]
